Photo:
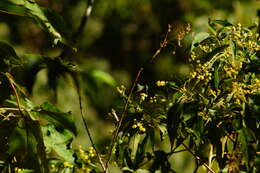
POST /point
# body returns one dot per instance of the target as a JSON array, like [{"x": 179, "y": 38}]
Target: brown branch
[
  {"x": 9, "y": 77},
  {"x": 123, "y": 114}
]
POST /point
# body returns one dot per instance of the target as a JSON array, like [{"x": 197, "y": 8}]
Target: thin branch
[
  {"x": 12, "y": 83},
  {"x": 9, "y": 77},
  {"x": 10, "y": 109},
  {"x": 86, "y": 125},
  {"x": 198, "y": 158},
  {"x": 84, "y": 20},
  {"x": 123, "y": 114},
  {"x": 77, "y": 35},
  {"x": 151, "y": 60}
]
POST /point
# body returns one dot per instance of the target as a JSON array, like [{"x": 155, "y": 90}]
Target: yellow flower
[{"x": 161, "y": 83}]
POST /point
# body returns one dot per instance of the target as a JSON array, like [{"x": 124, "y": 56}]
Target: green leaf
[
  {"x": 54, "y": 115},
  {"x": 7, "y": 126},
  {"x": 142, "y": 171},
  {"x": 199, "y": 37},
  {"x": 173, "y": 121},
  {"x": 103, "y": 77},
  {"x": 35, "y": 129},
  {"x": 8, "y": 57},
  {"x": 134, "y": 143},
  {"x": 58, "y": 140},
  {"x": 163, "y": 130},
  {"x": 224, "y": 23},
  {"x": 34, "y": 64},
  {"x": 26, "y": 171},
  {"x": 47, "y": 19}
]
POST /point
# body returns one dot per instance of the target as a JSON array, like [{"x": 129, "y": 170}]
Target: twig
[
  {"x": 86, "y": 125},
  {"x": 10, "y": 109},
  {"x": 9, "y": 77},
  {"x": 151, "y": 60},
  {"x": 12, "y": 83},
  {"x": 123, "y": 115},
  {"x": 76, "y": 36},
  {"x": 198, "y": 158},
  {"x": 84, "y": 20}
]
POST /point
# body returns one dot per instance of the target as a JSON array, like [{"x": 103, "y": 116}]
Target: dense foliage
[{"x": 212, "y": 113}]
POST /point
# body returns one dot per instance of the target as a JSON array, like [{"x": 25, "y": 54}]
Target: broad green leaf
[
  {"x": 134, "y": 143},
  {"x": 58, "y": 140},
  {"x": 103, "y": 77},
  {"x": 230, "y": 145},
  {"x": 35, "y": 129},
  {"x": 54, "y": 115},
  {"x": 199, "y": 38},
  {"x": 48, "y": 20}
]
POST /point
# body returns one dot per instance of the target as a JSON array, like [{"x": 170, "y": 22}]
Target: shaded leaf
[
  {"x": 35, "y": 129},
  {"x": 32, "y": 67},
  {"x": 8, "y": 57},
  {"x": 173, "y": 121},
  {"x": 48, "y": 20},
  {"x": 54, "y": 115}
]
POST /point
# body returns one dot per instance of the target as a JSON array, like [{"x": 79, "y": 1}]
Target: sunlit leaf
[
  {"x": 58, "y": 140},
  {"x": 199, "y": 37}
]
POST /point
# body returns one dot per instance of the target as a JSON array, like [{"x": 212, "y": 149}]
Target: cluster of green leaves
[
  {"x": 38, "y": 138},
  {"x": 213, "y": 114},
  {"x": 32, "y": 136}
]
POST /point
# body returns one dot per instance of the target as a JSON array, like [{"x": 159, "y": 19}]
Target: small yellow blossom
[
  {"x": 143, "y": 96},
  {"x": 161, "y": 83}
]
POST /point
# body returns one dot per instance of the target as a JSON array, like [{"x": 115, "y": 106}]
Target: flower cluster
[
  {"x": 139, "y": 125},
  {"x": 87, "y": 156},
  {"x": 244, "y": 37},
  {"x": 143, "y": 96},
  {"x": 202, "y": 72},
  {"x": 161, "y": 83}
]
